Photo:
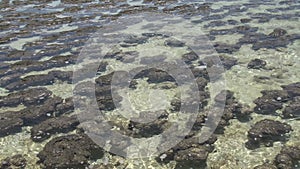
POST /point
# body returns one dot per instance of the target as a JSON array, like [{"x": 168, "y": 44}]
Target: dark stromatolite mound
[
  {"x": 66, "y": 106},
  {"x": 215, "y": 24},
  {"x": 226, "y": 48},
  {"x": 9, "y": 124},
  {"x": 147, "y": 130},
  {"x": 158, "y": 76},
  {"x": 50, "y": 50},
  {"x": 36, "y": 114},
  {"x": 245, "y": 20},
  {"x": 271, "y": 43},
  {"x": 243, "y": 29},
  {"x": 103, "y": 90},
  {"x": 9, "y": 78},
  {"x": 202, "y": 83},
  {"x": 288, "y": 158},
  {"x": 232, "y": 22},
  {"x": 14, "y": 54},
  {"x": 190, "y": 57},
  {"x": 127, "y": 57},
  {"x": 26, "y": 66},
  {"x": 40, "y": 80},
  {"x": 233, "y": 109},
  {"x": 292, "y": 110},
  {"x": 228, "y": 62},
  {"x": 27, "y": 97},
  {"x": 266, "y": 132},
  {"x": 292, "y": 89},
  {"x": 256, "y": 64},
  {"x": 271, "y": 101},
  {"x": 252, "y": 38},
  {"x": 32, "y": 80},
  {"x": 189, "y": 153},
  {"x": 51, "y": 126},
  {"x": 134, "y": 41},
  {"x": 71, "y": 151},
  {"x": 278, "y": 32},
  {"x": 277, "y": 38},
  {"x": 174, "y": 43},
  {"x": 16, "y": 161},
  {"x": 154, "y": 75}
]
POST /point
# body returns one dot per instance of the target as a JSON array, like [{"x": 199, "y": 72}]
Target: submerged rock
[
  {"x": 36, "y": 114},
  {"x": 40, "y": 80},
  {"x": 192, "y": 157},
  {"x": 271, "y": 43},
  {"x": 226, "y": 48},
  {"x": 233, "y": 109},
  {"x": 71, "y": 151},
  {"x": 215, "y": 24},
  {"x": 256, "y": 64},
  {"x": 278, "y": 32},
  {"x": 245, "y": 20},
  {"x": 32, "y": 80},
  {"x": 147, "y": 130},
  {"x": 174, "y": 43},
  {"x": 228, "y": 62},
  {"x": 271, "y": 101},
  {"x": 9, "y": 124},
  {"x": 9, "y": 79},
  {"x": 288, "y": 157},
  {"x": 51, "y": 126},
  {"x": 189, "y": 153},
  {"x": 266, "y": 132},
  {"x": 16, "y": 161},
  {"x": 292, "y": 110},
  {"x": 27, "y": 97},
  {"x": 292, "y": 89},
  {"x": 26, "y": 66},
  {"x": 277, "y": 38},
  {"x": 232, "y": 22},
  {"x": 190, "y": 57}
]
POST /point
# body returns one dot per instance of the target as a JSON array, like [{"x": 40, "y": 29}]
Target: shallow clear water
[{"x": 42, "y": 32}]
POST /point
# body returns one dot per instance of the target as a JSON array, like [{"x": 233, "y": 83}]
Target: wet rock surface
[
  {"x": 266, "y": 132},
  {"x": 71, "y": 151}
]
